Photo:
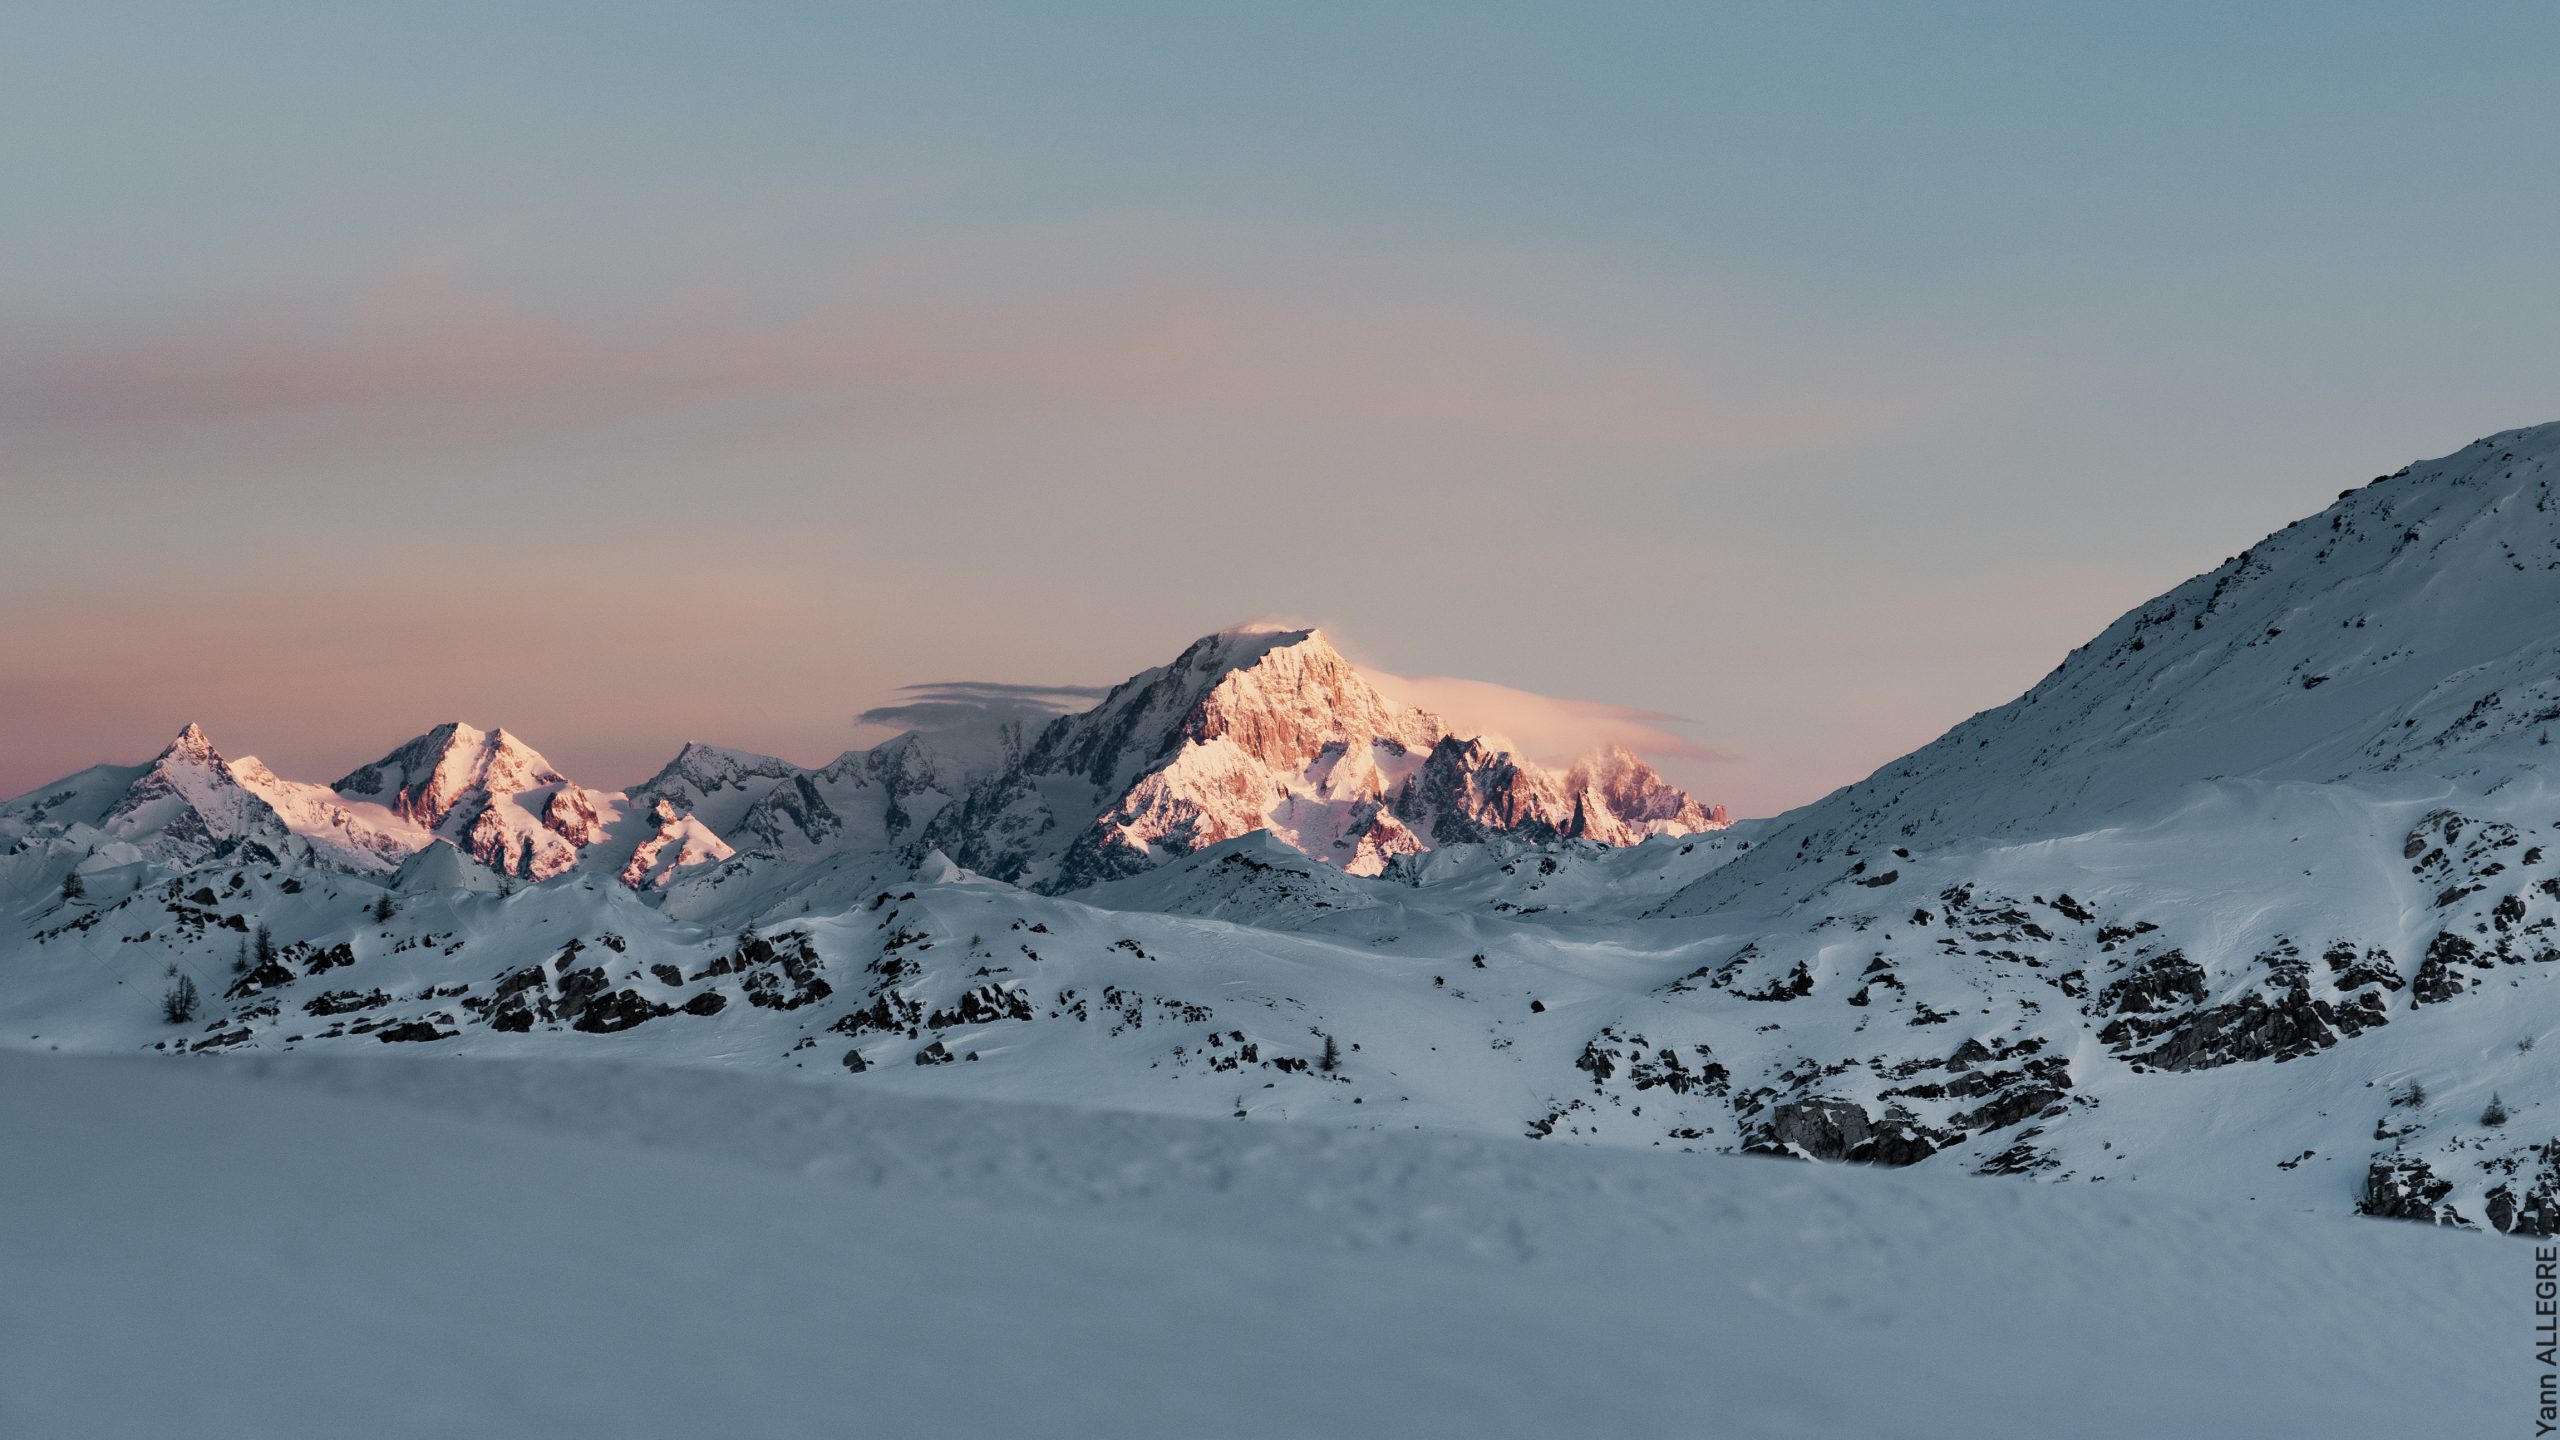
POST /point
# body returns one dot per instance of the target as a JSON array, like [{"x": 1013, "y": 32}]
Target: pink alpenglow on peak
[
  {"x": 1272, "y": 729},
  {"x": 1259, "y": 728},
  {"x": 428, "y": 778},
  {"x": 355, "y": 835},
  {"x": 187, "y": 803},
  {"x": 489, "y": 793}
]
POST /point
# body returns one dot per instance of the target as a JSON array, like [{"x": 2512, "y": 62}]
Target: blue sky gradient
[{"x": 634, "y": 373}]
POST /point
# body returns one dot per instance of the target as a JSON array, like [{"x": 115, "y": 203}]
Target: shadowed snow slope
[{"x": 415, "y": 1249}]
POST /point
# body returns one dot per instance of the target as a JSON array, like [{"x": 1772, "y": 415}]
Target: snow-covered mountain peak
[
  {"x": 1244, "y": 644},
  {"x": 701, "y": 770},
  {"x": 2295, "y": 810},
  {"x": 1296, "y": 697},
  {"x": 428, "y": 778},
  {"x": 187, "y": 802},
  {"x": 1268, "y": 728},
  {"x": 191, "y": 747},
  {"x": 490, "y": 794},
  {"x": 1620, "y": 799},
  {"x": 1258, "y": 727},
  {"x": 191, "y": 759}
]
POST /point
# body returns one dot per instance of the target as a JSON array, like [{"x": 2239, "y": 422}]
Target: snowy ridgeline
[
  {"x": 404, "y": 1247},
  {"x": 2255, "y": 897},
  {"x": 1246, "y": 731},
  {"x": 2061, "y": 1009}
]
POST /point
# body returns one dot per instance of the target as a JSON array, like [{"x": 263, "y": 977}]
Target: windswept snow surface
[{"x": 291, "y": 1247}]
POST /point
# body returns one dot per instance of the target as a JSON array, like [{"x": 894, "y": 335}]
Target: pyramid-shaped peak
[
  {"x": 187, "y": 801},
  {"x": 1301, "y": 659},
  {"x": 1269, "y": 727},
  {"x": 1285, "y": 696},
  {"x": 191, "y": 745},
  {"x": 425, "y": 779},
  {"x": 1303, "y": 656}
]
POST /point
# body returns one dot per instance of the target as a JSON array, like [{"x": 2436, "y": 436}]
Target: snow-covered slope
[
  {"x": 351, "y": 834},
  {"x": 74, "y": 800},
  {"x": 413, "y": 1249},
  {"x": 863, "y": 800},
  {"x": 2287, "y": 804},
  {"x": 2405, "y": 629}
]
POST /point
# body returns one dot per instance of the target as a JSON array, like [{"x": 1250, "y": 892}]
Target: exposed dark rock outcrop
[
  {"x": 2254, "y": 1027},
  {"x": 2439, "y": 976},
  {"x": 619, "y": 1011},
  {"x": 1833, "y": 1129},
  {"x": 2529, "y": 1204},
  {"x": 2401, "y": 1187}
]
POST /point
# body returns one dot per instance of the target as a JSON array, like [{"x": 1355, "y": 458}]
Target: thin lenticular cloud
[
  {"x": 974, "y": 704},
  {"x": 1546, "y": 728}
]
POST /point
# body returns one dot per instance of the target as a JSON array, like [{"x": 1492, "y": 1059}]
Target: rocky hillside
[{"x": 2283, "y": 810}]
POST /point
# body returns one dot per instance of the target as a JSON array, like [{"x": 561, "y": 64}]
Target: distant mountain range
[
  {"x": 2257, "y": 894},
  {"x": 1246, "y": 730}
]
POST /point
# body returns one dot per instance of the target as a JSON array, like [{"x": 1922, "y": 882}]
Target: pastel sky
[{"x": 1779, "y": 384}]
